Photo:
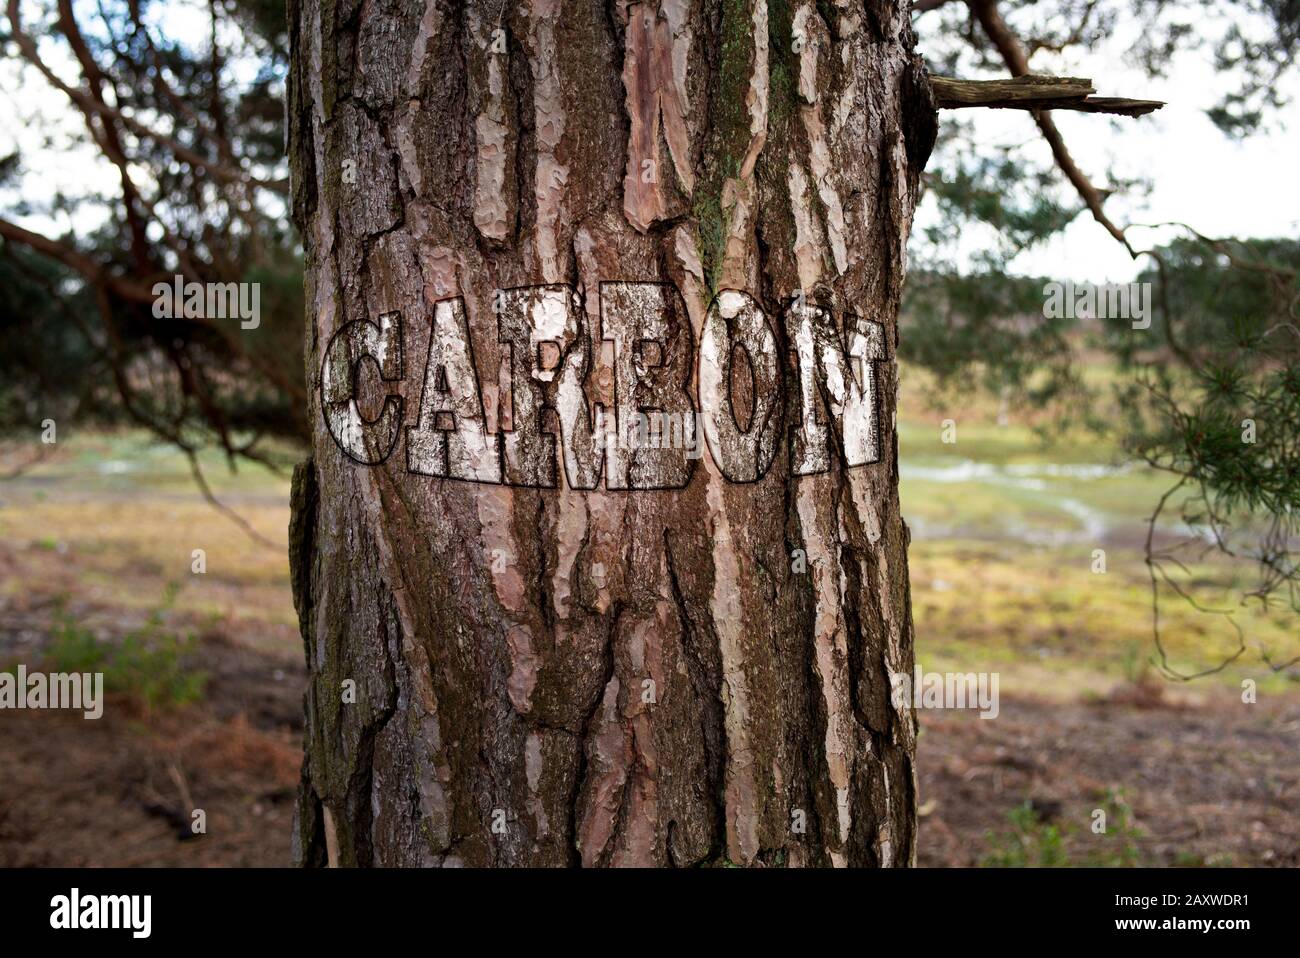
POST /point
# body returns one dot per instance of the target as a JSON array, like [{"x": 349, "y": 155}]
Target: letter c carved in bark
[{"x": 365, "y": 441}]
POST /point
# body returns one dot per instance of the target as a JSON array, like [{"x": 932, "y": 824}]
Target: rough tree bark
[{"x": 618, "y": 675}]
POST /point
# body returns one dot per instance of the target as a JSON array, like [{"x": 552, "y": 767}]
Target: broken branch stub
[{"x": 1034, "y": 93}]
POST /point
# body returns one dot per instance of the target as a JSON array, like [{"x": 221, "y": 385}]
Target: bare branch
[
  {"x": 201, "y": 481},
  {"x": 924, "y": 6},
  {"x": 93, "y": 106},
  {"x": 14, "y": 472},
  {"x": 990, "y": 19},
  {"x": 135, "y": 292}
]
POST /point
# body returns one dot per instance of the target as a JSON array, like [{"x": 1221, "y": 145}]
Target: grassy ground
[
  {"x": 118, "y": 517},
  {"x": 1002, "y": 561},
  {"x": 98, "y": 543},
  {"x": 204, "y": 671},
  {"x": 1005, "y": 529}
]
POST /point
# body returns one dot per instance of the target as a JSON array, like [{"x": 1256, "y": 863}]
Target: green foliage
[
  {"x": 1252, "y": 44},
  {"x": 1031, "y": 842},
  {"x": 1220, "y": 417},
  {"x": 1028, "y": 842},
  {"x": 1193, "y": 860},
  {"x": 986, "y": 202},
  {"x": 1217, "y": 300},
  {"x": 1120, "y": 846},
  {"x": 987, "y": 332},
  {"x": 74, "y": 345},
  {"x": 1134, "y": 663},
  {"x": 1209, "y": 394},
  {"x": 997, "y": 190},
  {"x": 1260, "y": 49},
  {"x": 49, "y": 367},
  {"x": 147, "y": 666}
]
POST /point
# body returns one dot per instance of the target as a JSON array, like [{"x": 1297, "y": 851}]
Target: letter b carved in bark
[{"x": 600, "y": 336}]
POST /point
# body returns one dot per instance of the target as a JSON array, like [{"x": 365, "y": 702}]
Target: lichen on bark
[{"x": 594, "y": 676}]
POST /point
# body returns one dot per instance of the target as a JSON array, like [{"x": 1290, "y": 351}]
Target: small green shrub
[
  {"x": 148, "y": 665},
  {"x": 1030, "y": 842}
]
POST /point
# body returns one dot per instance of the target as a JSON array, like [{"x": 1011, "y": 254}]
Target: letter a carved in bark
[{"x": 600, "y": 335}]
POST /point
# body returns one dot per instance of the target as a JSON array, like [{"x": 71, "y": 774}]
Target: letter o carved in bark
[{"x": 648, "y": 439}]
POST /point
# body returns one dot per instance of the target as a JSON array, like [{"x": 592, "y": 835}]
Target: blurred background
[{"x": 1091, "y": 517}]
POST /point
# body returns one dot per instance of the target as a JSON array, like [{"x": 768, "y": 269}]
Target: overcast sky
[{"x": 1200, "y": 177}]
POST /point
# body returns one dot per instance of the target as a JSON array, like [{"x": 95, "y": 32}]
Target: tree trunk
[{"x": 532, "y": 642}]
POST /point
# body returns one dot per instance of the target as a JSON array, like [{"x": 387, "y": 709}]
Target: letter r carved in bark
[{"x": 550, "y": 359}]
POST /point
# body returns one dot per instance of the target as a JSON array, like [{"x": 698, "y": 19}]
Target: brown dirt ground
[
  {"x": 1211, "y": 782},
  {"x": 1205, "y": 785},
  {"x": 111, "y": 792},
  {"x": 1218, "y": 783}
]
